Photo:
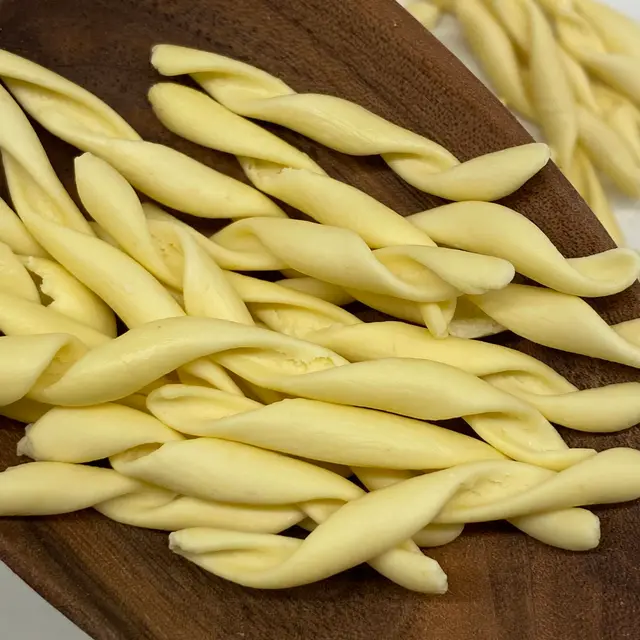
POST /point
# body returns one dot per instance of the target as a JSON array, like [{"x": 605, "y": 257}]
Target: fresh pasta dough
[
  {"x": 84, "y": 121},
  {"x": 328, "y": 396},
  {"x": 47, "y": 488},
  {"x": 491, "y": 45},
  {"x": 279, "y": 561},
  {"x": 284, "y": 172},
  {"x": 281, "y": 364},
  {"x": 551, "y": 91},
  {"x": 135, "y": 442},
  {"x": 349, "y": 128}
]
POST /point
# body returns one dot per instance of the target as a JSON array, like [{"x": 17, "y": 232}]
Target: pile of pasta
[
  {"x": 231, "y": 408},
  {"x": 569, "y": 67}
]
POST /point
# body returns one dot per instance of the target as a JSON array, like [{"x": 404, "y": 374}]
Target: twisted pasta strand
[
  {"x": 294, "y": 313},
  {"x": 491, "y": 45},
  {"x": 316, "y": 430},
  {"x": 472, "y": 492},
  {"x": 48, "y": 488},
  {"x": 61, "y": 436},
  {"x": 487, "y": 227},
  {"x": 121, "y": 215},
  {"x": 134, "y": 294},
  {"x": 551, "y": 91},
  {"x": 349, "y": 128},
  {"x": 546, "y": 317},
  {"x": 283, "y": 172},
  {"x": 559, "y": 321},
  {"x": 140, "y": 356},
  {"x": 230, "y": 473},
  {"x": 84, "y": 121}
]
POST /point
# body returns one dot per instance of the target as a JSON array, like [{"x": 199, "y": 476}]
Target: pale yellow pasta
[
  {"x": 132, "y": 292},
  {"x": 618, "y": 32},
  {"x": 47, "y": 488},
  {"x": 292, "y": 312},
  {"x": 61, "y": 437},
  {"x": 30, "y": 177},
  {"x": 559, "y": 321},
  {"x": 15, "y": 234},
  {"x": 551, "y": 93},
  {"x": 129, "y": 363},
  {"x": 546, "y": 317},
  {"x": 590, "y": 188},
  {"x": 573, "y": 529},
  {"x": 496, "y": 230},
  {"x": 218, "y": 471},
  {"x": 57, "y": 295},
  {"x": 578, "y": 79},
  {"x": 123, "y": 217},
  {"x": 609, "y": 152},
  {"x": 315, "y": 430},
  {"x": 426, "y": 13},
  {"x": 473, "y": 492},
  {"x": 512, "y": 14},
  {"x": 81, "y": 119},
  {"x": 263, "y": 156},
  {"x": 492, "y": 46},
  {"x": 349, "y": 128}
]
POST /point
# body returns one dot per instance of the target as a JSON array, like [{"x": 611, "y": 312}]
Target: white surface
[{"x": 26, "y": 616}]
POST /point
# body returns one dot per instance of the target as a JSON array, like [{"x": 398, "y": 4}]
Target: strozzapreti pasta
[{"x": 232, "y": 408}]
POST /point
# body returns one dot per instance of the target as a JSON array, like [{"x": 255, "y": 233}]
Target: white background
[{"x": 26, "y": 616}]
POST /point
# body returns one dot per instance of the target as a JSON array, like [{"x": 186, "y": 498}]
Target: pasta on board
[
  {"x": 281, "y": 364},
  {"x": 349, "y": 128},
  {"x": 282, "y": 171},
  {"x": 279, "y": 561}
]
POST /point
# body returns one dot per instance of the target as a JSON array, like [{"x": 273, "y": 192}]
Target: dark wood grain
[{"x": 122, "y": 583}]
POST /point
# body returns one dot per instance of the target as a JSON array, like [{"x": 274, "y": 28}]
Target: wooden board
[{"x": 122, "y": 583}]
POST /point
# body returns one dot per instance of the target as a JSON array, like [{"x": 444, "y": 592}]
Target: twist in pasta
[
  {"x": 283, "y": 172},
  {"x": 84, "y": 121},
  {"x": 467, "y": 493},
  {"x": 58, "y": 370},
  {"x": 349, "y": 128},
  {"x": 136, "y": 444}
]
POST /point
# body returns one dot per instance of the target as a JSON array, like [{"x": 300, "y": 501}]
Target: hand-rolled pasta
[
  {"x": 316, "y": 430},
  {"x": 349, "y": 128},
  {"x": 215, "y": 470},
  {"x": 58, "y": 303},
  {"x": 559, "y": 321},
  {"x": 81, "y": 119},
  {"x": 551, "y": 92},
  {"x": 294, "y": 313},
  {"x": 619, "y": 33},
  {"x": 48, "y": 488},
  {"x": 30, "y": 176},
  {"x": 14, "y": 234},
  {"x": 62, "y": 437},
  {"x": 123, "y": 218},
  {"x": 133, "y": 293},
  {"x": 496, "y": 230},
  {"x": 283, "y": 172},
  {"x": 582, "y": 36},
  {"x": 603, "y": 409},
  {"x": 493, "y": 48},
  {"x": 609, "y": 152},
  {"x": 469, "y": 493},
  {"x": 414, "y": 388},
  {"x": 573, "y": 529}
]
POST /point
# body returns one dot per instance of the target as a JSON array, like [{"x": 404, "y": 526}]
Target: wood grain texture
[{"x": 122, "y": 583}]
